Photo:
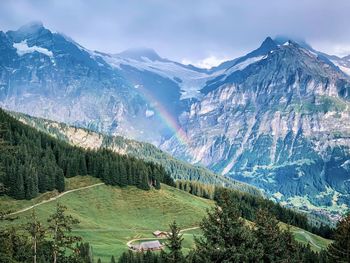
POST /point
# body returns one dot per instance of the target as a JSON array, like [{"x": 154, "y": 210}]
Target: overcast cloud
[{"x": 187, "y": 30}]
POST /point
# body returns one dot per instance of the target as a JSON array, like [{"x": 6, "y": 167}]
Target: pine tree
[
  {"x": 113, "y": 260},
  {"x": 339, "y": 250},
  {"x": 17, "y": 185},
  {"x": 277, "y": 244},
  {"x": 174, "y": 244},
  {"x": 59, "y": 180},
  {"x": 85, "y": 252},
  {"x": 123, "y": 175},
  {"x": 99, "y": 261},
  {"x": 60, "y": 227},
  {"x": 225, "y": 236},
  {"x": 37, "y": 233}
]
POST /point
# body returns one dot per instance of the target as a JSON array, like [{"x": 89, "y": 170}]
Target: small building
[
  {"x": 149, "y": 245},
  {"x": 159, "y": 233}
]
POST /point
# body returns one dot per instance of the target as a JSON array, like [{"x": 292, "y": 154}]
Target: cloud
[
  {"x": 179, "y": 29},
  {"x": 208, "y": 62}
]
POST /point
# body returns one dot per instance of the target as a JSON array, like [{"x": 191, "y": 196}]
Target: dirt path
[
  {"x": 308, "y": 238},
  {"x": 188, "y": 229},
  {"x": 158, "y": 238},
  {"x": 53, "y": 199}
]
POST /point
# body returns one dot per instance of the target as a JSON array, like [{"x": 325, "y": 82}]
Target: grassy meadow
[{"x": 111, "y": 216}]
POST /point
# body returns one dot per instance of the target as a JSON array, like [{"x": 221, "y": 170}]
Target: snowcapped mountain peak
[
  {"x": 30, "y": 31},
  {"x": 140, "y": 54}
]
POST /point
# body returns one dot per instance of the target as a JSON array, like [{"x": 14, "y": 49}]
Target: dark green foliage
[
  {"x": 197, "y": 188},
  {"x": 60, "y": 227},
  {"x": 85, "y": 252},
  {"x": 39, "y": 163},
  {"x": 179, "y": 170},
  {"x": 174, "y": 244},
  {"x": 278, "y": 245},
  {"x": 14, "y": 245},
  {"x": 37, "y": 234},
  {"x": 148, "y": 257},
  {"x": 30, "y": 244},
  {"x": 226, "y": 238},
  {"x": 339, "y": 250},
  {"x": 249, "y": 205}
]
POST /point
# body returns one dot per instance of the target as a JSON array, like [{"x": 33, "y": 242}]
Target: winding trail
[
  {"x": 53, "y": 198},
  {"x": 308, "y": 238},
  {"x": 157, "y": 238}
]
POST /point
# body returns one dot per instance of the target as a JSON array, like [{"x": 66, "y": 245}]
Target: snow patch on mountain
[
  {"x": 346, "y": 70},
  {"x": 242, "y": 65},
  {"x": 23, "y": 48},
  {"x": 190, "y": 81}
]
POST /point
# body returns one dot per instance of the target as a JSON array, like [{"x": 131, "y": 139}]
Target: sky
[{"x": 203, "y": 33}]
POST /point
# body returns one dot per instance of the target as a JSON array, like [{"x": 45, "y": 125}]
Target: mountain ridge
[
  {"x": 91, "y": 140},
  {"x": 271, "y": 118}
]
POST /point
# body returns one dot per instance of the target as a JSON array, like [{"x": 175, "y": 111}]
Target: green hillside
[
  {"x": 112, "y": 216},
  {"x": 33, "y": 162},
  {"x": 146, "y": 151}
]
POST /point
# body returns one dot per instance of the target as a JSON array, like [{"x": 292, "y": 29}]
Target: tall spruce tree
[
  {"x": 59, "y": 180},
  {"x": 339, "y": 250},
  {"x": 226, "y": 238},
  {"x": 60, "y": 227},
  {"x": 174, "y": 244},
  {"x": 278, "y": 245},
  {"x": 37, "y": 233}
]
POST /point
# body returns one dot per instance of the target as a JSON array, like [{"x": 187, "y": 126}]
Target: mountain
[
  {"x": 87, "y": 139},
  {"x": 278, "y": 120},
  {"x": 47, "y": 74}
]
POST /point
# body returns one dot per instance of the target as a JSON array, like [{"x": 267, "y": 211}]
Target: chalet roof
[
  {"x": 150, "y": 245},
  {"x": 158, "y": 232}
]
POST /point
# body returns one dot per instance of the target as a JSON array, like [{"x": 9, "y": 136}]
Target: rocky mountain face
[
  {"x": 277, "y": 118},
  {"x": 47, "y": 74}
]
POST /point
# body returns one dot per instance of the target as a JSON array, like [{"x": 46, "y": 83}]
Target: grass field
[{"x": 111, "y": 216}]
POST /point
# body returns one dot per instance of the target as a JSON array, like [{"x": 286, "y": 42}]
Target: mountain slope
[
  {"x": 129, "y": 213},
  {"x": 280, "y": 122},
  {"x": 92, "y": 140},
  {"x": 47, "y": 74},
  {"x": 123, "y": 214},
  {"x": 32, "y": 162}
]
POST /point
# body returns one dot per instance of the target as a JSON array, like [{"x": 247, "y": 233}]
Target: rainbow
[{"x": 164, "y": 115}]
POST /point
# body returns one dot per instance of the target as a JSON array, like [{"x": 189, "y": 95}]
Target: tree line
[
  {"x": 228, "y": 238},
  {"x": 39, "y": 243},
  {"x": 33, "y": 162},
  {"x": 179, "y": 170},
  {"x": 249, "y": 205}
]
